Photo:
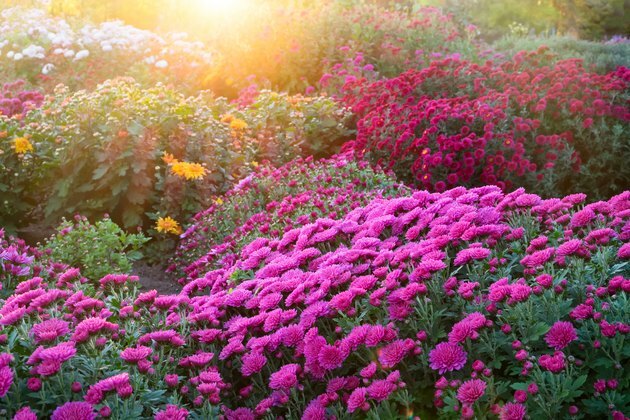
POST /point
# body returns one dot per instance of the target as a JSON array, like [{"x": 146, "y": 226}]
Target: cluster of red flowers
[
  {"x": 512, "y": 124},
  {"x": 15, "y": 101}
]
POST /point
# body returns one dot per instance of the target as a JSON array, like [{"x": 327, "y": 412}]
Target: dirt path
[{"x": 154, "y": 277}]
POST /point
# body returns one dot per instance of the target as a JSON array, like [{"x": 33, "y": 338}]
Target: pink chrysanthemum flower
[
  {"x": 135, "y": 354},
  {"x": 314, "y": 411},
  {"x": 252, "y": 363},
  {"x": 171, "y": 380},
  {"x": 368, "y": 371},
  {"x": 172, "y": 412},
  {"x": 76, "y": 410},
  {"x": 25, "y": 413},
  {"x": 90, "y": 326},
  {"x": 199, "y": 360},
  {"x": 447, "y": 357},
  {"x": 380, "y": 390},
  {"x": 582, "y": 217},
  {"x": 49, "y": 360},
  {"x": 6, "y": 380},
  {"x": 470, "y": 391},
  {"x": 538, "y": 258},
  {"x": 394, "y": 352},
  {"x": 285, "y": 378},
  {"x": 357, "y": 399},
  {"x": 569, "y": 247},
  {"x": 475, "y": 253},
  {"x": 513, "y": 411},
  {"x": 560, "y": 335},
  {"x": 330, "y": 357},
  {"x": 624, "y": 251},
  {"x": 119, "y": 383},
  {"x": 166, "y": 336},
  {"x": 49, "y": 330},
  {"x": 553, "y": 363},
  {"x": 242, "y": 413}
]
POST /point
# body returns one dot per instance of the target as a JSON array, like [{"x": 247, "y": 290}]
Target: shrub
[
  {"x": 97, "y": 249},
  {"x": 272, "y": 201},
  {"x": 480, "y": 301},
  {"x": 599, "y": 57},
  {"x": 522, "y": 123},
  {"x": 114, "y": 149},
  {"x": 389, "y": 40}
]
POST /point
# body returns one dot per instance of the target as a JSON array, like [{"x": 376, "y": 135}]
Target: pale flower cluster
[{"x": 35, "y": 35}]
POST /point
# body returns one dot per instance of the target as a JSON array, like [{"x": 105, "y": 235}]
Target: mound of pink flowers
[
  {"x": 470, "y": 302},
  {"x": 273, "y": 201}
]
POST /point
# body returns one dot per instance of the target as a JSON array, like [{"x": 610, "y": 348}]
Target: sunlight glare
[{"x": 220, "y": 6}]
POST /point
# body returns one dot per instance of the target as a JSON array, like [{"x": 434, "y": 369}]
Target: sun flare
[{"x": 220, "y": 6}]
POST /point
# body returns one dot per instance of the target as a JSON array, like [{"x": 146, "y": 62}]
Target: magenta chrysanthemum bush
[
  {"x": 470, "y": 302},
  {"x": 529, "y": 122}
]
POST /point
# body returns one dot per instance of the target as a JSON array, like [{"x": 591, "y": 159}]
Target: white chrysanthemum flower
[
  {"x": 48, "y": 67},
  {"x": 81, "y": 54}
]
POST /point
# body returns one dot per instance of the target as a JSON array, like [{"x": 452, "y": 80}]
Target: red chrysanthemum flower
[{"x": 560, "y": 335}]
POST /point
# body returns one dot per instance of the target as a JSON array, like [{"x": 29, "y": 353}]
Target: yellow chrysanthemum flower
[
  {"x": 179, "y": 168},
  {"x": 22, "y": 145},
  {"x": 188, "y": 170},
  {"x": 168, "y": 225},
  {"x": 168, "y": 158},
  {"x": 255, "y": 164},
  {"x": 218, "y": 201},
  {"x": 226, "y": 118},
  {"x": 238, "y": 124}
]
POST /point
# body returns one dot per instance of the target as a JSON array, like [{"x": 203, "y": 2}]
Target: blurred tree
[
  {"x": 494, "y": 18},
  {"x": 594, "y": 18}
]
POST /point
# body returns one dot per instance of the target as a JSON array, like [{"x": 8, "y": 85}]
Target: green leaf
[
  {"x": 100, "y": 172},
  {"x": 579, "y": 382},
  {"x": 519, "y": 386},
  {"x": 135, "y": 128}
]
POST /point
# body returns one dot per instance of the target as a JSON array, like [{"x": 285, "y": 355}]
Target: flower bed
[
  {"x": 462, "y": 303},
  {"x": 529, "y": 122}
]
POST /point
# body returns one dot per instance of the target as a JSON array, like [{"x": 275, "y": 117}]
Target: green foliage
[
  {"x": 495, "y": 17},
  {"x": 102, "y": 151},
  {"x": 598, "y": 56},
  {"x": 97, "y": 249},
  {"x": 593, "y": 18}
]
